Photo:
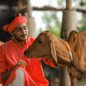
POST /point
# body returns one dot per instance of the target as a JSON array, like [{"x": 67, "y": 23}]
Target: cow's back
[{"x": 77, "y": 42}]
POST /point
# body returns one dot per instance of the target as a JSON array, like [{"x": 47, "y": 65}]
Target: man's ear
[
  {"x": 53, "y": 51},
  {"x": 72, "y": 36}
]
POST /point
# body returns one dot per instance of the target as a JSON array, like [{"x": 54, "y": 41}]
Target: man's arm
[{"x": 5, "y": 75}]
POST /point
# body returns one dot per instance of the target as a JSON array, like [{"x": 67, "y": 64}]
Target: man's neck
[{"x": 19, "y": 42}]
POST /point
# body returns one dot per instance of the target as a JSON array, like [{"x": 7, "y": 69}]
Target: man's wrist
[{"x": 22, "y": 63}]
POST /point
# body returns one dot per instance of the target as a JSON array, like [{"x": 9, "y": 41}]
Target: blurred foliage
[
  {"x": 52, "y": 22},
  {"x": 56, "y": 31},
  {"x": 82, "y": 3},
  {"x": 82, "y": 23},
  {"x": 61, "y": 3},
  {"x": 82, "y": 28}
]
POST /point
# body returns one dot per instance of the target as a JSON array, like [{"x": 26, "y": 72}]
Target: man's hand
[
  {"x": 21, "y": 63},
  {"x": 5, "y": 75}
]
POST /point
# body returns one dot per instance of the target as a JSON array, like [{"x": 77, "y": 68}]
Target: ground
[{"x": 80, "y": 83}]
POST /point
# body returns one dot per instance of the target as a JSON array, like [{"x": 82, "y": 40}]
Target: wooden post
[
  {"x": 68, "y": 4},
  {"x": 31, "y": 21},
  {"x": 69, "y": 20},
  {"x": 65, "y": 80},
  {"x": 68, "y": 24}
]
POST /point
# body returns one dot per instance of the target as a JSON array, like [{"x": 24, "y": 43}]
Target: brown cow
[{"x": 71, "y": 53}]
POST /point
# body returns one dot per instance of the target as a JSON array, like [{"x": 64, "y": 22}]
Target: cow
[{"x": 70, "y": 53}]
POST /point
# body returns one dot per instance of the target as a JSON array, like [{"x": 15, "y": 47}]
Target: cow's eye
[{"x": 40, "y": 41}]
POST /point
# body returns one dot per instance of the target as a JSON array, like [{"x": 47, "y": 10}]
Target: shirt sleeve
[
  {"x": 32, "y": 39},
  {"x": 49, "y": 62},
  {"x": 3, "y": 64}
]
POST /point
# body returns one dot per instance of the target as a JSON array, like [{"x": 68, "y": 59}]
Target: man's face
[{"x": 21, "y": 32}]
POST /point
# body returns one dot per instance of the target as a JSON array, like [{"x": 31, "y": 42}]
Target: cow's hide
[{"x": 70, "y": 53}]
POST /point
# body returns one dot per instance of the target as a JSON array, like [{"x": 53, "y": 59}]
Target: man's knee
[
  {"x": 19, "y": 73},
  {"x": 19, "y": 80}
]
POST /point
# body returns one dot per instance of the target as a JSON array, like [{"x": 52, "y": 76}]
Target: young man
[{"x": 15, "y": 68}]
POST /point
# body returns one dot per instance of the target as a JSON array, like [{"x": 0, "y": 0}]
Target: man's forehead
[{"x": 21, "y": 25}]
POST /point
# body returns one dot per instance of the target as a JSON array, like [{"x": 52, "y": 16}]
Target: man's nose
[{"x": 23, "y": 31}]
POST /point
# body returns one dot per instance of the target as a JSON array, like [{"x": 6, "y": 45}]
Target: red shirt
[{"x": 11, "y": 53}]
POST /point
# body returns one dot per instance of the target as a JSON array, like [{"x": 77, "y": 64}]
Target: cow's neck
[{"x": 63, "y": 51}]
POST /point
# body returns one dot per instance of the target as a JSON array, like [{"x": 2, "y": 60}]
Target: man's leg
[{"x": 19, "y": 80}]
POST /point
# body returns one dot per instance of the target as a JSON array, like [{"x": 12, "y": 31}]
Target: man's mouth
[{"x": 24, "y": 35}]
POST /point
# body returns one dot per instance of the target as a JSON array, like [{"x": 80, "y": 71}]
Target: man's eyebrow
[{"x": 23, "y": 26}]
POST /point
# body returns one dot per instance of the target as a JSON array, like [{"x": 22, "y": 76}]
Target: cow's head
[{"x": 42, "y": 47}]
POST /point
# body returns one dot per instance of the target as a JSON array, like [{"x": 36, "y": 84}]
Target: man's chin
[{"x": 22, "y": 40}]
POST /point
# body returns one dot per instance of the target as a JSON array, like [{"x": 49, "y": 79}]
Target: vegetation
[{"x": 52, "y": 22}]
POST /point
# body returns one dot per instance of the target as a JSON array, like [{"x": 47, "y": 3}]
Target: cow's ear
[
  {"x": 72, "y": 36},
  {"x": 53, "y": 51}
]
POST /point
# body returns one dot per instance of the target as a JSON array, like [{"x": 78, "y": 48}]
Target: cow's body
[{"x": 71, "y": 53}]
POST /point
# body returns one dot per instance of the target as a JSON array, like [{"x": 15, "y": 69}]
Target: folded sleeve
[{"x": 49, "y": 62}]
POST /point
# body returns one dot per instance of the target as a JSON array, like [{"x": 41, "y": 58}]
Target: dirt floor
[{"x": 80, "y": 83}]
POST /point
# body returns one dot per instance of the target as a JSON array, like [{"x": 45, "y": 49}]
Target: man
[{"x": 15, "y": 68}]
